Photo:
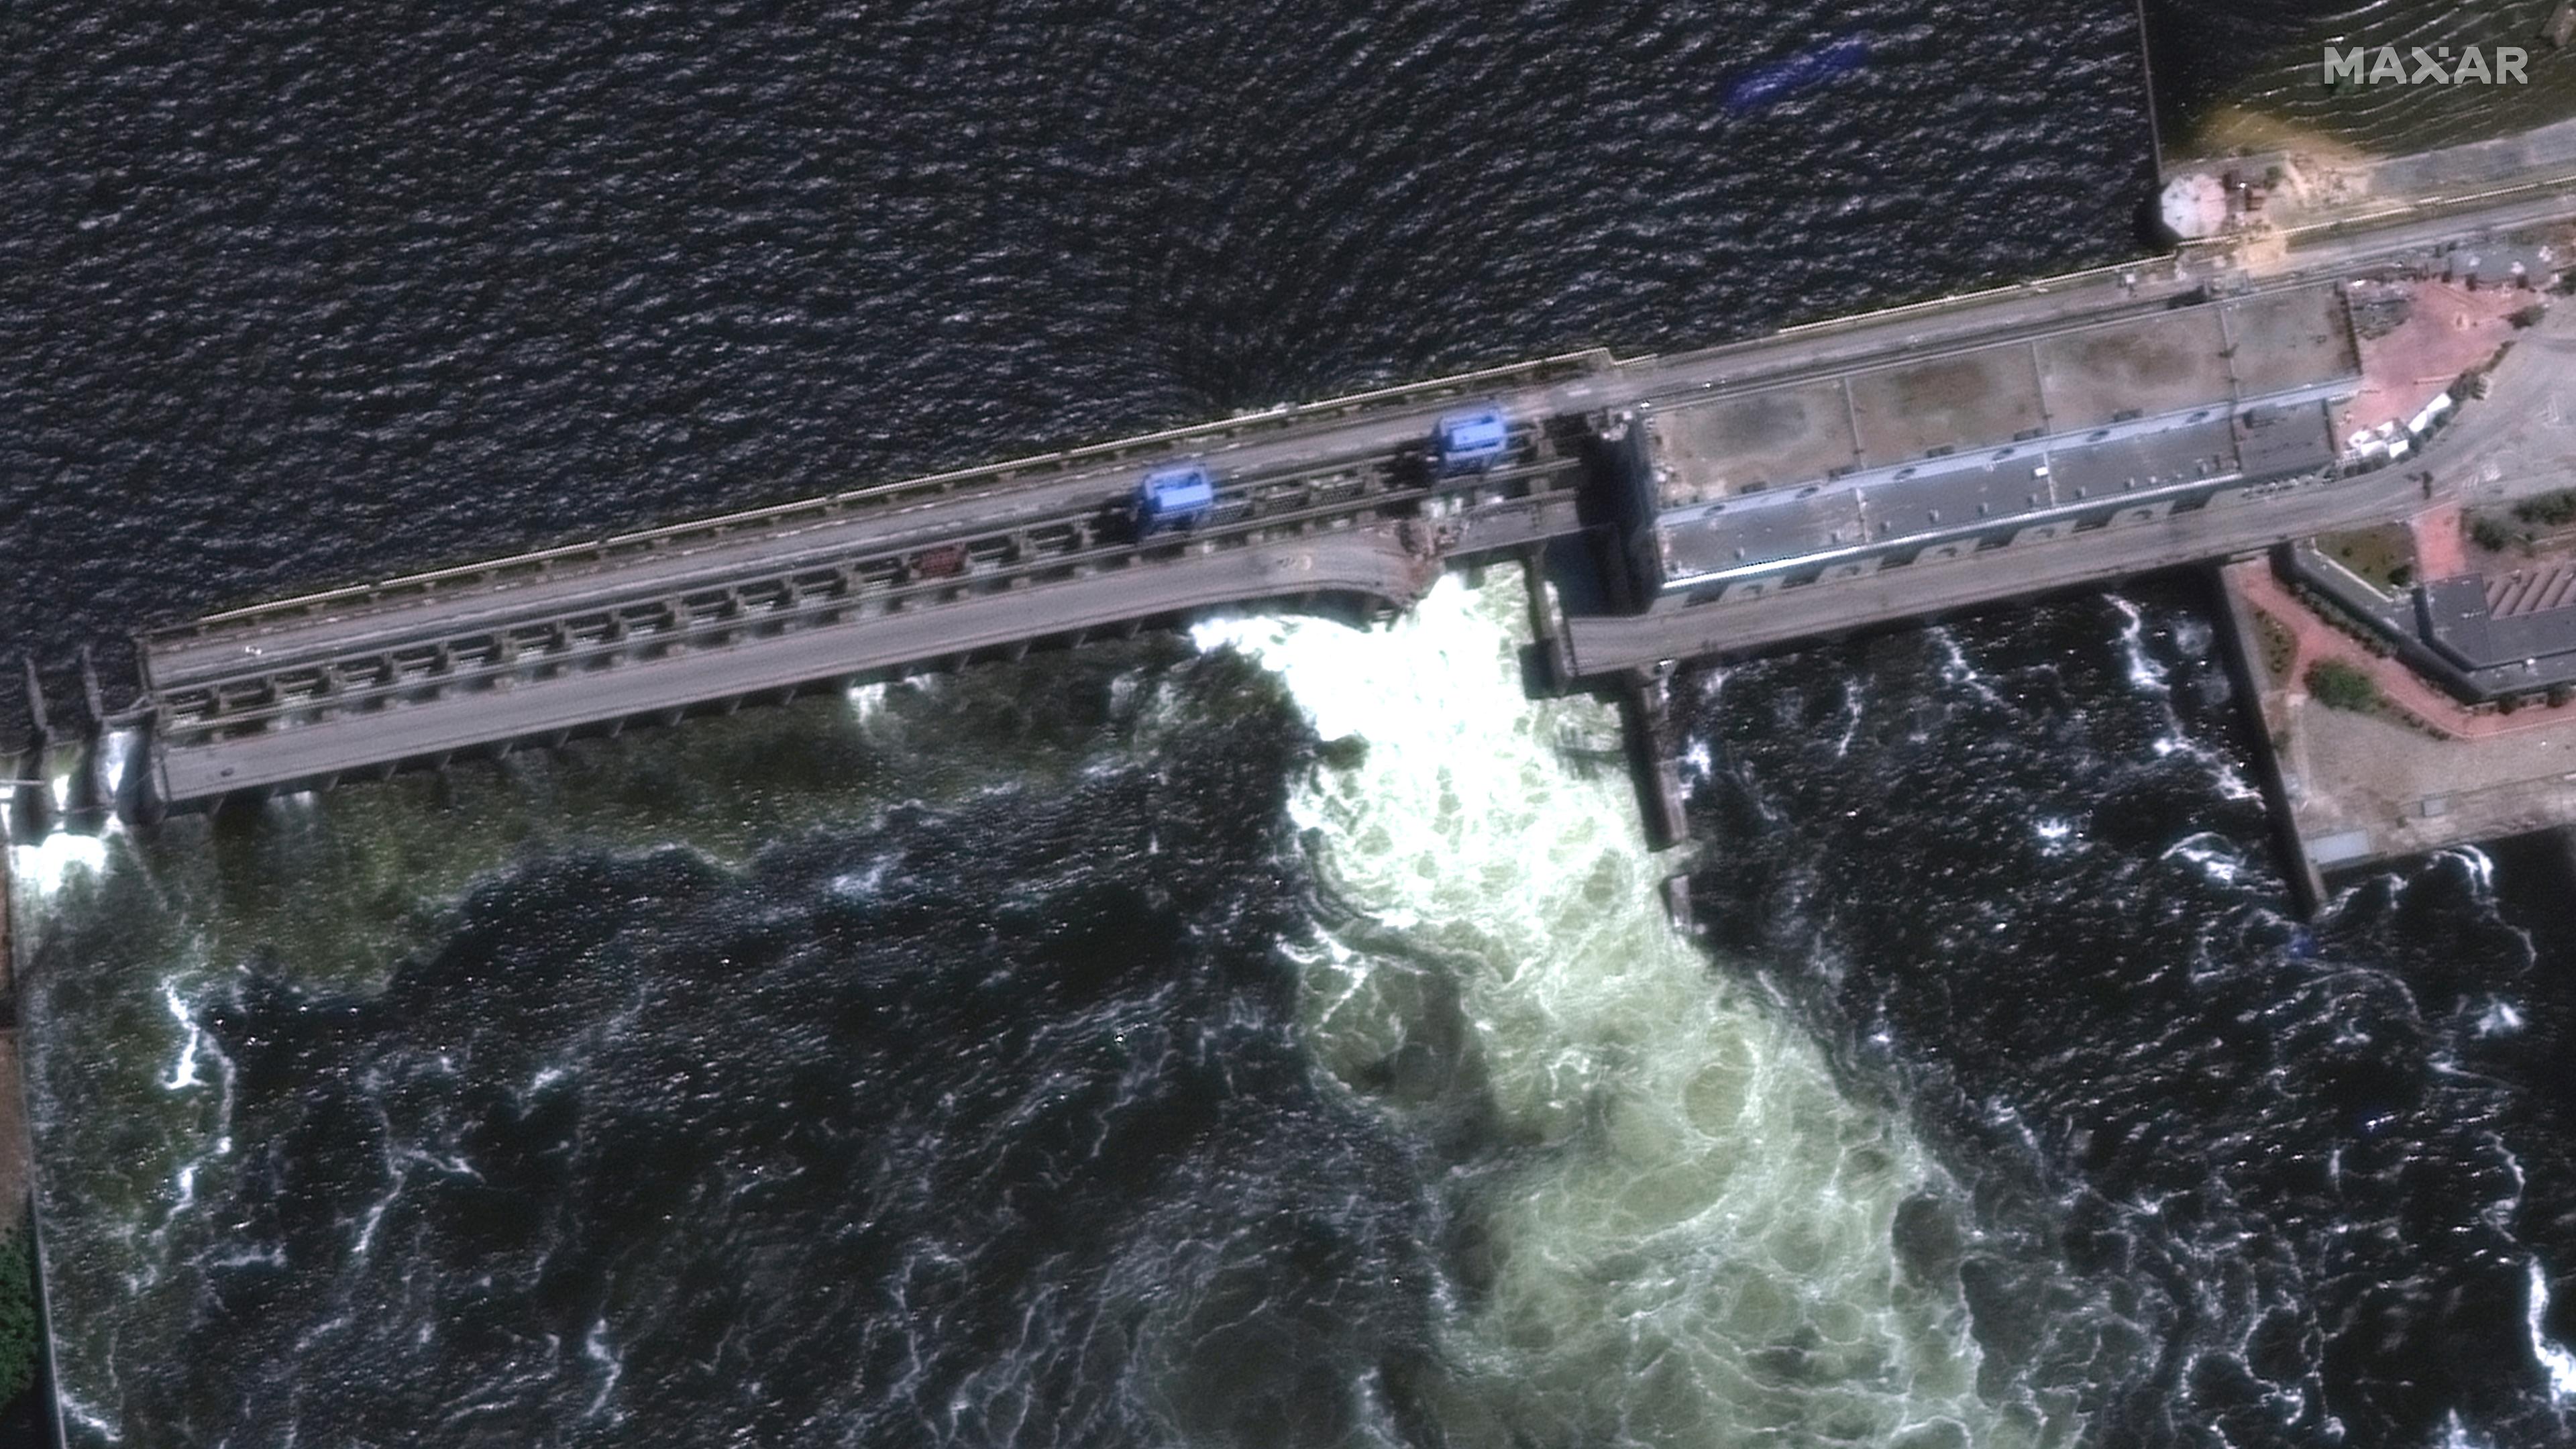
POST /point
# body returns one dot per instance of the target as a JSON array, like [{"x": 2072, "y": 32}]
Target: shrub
[
  {"x": 21, "y": 1336},
  {"x": 2338, "y": 685},
  {"x": 2490, "y": 534},
  {"x": 2528, "y": 316},
  {"x": 2548, "y": 509}
]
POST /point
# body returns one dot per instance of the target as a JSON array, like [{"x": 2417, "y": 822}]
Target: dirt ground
[
  {"x": 2226, "y": 129},
  {"x": 2448, "y": 330},
  {"x": 2441, "y": 546},
  {"x": 2479, "y": 777},
  {"x": 2410, "y": 793}
]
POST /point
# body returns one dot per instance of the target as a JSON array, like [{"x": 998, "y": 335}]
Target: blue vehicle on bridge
[
  {"x": 1172, "y": 498},
  {"x": 1471, "y": 442}
]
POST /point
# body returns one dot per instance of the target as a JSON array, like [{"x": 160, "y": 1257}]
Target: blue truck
[
  {"x": 1471, "y": 442},
  {"x": 1173, "y": 498}
]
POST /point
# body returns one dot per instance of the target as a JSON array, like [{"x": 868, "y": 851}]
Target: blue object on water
[
  {"x": 1800, "y": 71},
  {"x": 1473, "y": 440},
  {"x": 1170, "y": 497}
]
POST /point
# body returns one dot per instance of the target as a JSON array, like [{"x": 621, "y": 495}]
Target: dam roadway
[{"x": 1337, "y": 500}]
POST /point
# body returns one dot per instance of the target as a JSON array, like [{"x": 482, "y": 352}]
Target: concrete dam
[{"x": 1820, "y": 480}]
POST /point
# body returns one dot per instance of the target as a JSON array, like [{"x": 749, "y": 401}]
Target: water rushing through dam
[
  {"x": 1274, "y": 1037},
  {"x": 1265, "y": 1036},
  {"x": 1282, "y": 1055}
]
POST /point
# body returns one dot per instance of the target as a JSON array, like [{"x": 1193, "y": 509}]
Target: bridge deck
[
  {"x": 1373, "y": 563},
  {"x": 642, "y": 625}
]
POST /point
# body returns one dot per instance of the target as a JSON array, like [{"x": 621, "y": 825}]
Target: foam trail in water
[
  {"x": 184, "y": 1073},
  {"x": 2552, "y": 1356},
  {"x": 1705, "y": 1205},
  {"x": 595, "y": 1348}
]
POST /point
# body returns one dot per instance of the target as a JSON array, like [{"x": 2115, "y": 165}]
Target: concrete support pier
[
  {"x": 1654, "y": 755},
  {"x": 2242, "y": 647}
]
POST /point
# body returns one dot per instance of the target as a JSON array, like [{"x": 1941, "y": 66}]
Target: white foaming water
[
  {"x": 2553, "y": 1357},
  {"x": 184, "y": 1073},
  {"x": 2481, "y": 867},
  {"x": 1955, "y": 666},
  {"x": 2212, "y": 852},
  {"x": 1852, "y": 710},
  {"x": 2499, "y": 1019},
  {"x": 595, "y": 1348},
  {"x": 2144, "y": 673},
  {"x": 1699, "y": 1249},
  {"x": 45, "y": 865},
  {"x": 88, "y": 1417},
  {"x": 118, "y": 749},
  {"x": 2149, "y": 678}
]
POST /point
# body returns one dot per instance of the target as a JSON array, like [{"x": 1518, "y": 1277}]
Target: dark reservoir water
[
  {"x": 1266, "y": 1037},
  {"x": 291, "y": 295}
]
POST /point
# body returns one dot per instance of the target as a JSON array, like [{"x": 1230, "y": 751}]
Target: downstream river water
[{"x": 1265, "y": 1036}]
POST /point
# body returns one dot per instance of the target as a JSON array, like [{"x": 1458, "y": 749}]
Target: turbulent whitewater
[
  {"x": 1199, "y": 1083},
  {"x": 1264, "y": 1038}
]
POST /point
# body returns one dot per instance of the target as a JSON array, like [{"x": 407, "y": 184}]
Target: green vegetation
[
  {"x": 2528, "y": 316},
  {"x": 2280, "y": 647},
  {"x": 2549, "y": 510},
  {"x": 2382, "y": 555},
  {"x": 21, "y": 1336},
  {"x": 2338, "y": 685},
  {"x": 2489, "y": 532}
]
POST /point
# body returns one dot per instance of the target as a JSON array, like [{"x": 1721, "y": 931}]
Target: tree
[
  {"x": 2338, "y": 685},
  {"x": 21, "y": 1335},
  {"x": 2549, "y": 509}
]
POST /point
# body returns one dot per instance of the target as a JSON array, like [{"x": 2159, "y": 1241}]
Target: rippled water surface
[
  {"x": 292, "y": 295},
  {"x": 1264, "y": 1037}
]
